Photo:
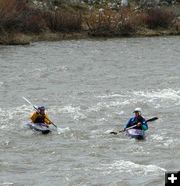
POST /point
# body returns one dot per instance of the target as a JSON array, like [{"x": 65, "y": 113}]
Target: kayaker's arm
[
  {"x": 128, "y": 124},
  {"x": 47, "y": 120},
  {"x": 144, "y": 125}
]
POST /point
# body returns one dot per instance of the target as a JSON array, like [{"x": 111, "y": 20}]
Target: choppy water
[{"x": 90, "y": 88}]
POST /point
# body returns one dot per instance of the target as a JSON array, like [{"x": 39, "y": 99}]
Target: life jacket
[
  {"x": 136, "y": 120},
  {"x": 40, "y": 118}
]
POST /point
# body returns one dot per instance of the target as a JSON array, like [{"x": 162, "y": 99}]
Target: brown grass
[
  {"x": 109, "y": 22},
  {"x": 61, "y": 20}
]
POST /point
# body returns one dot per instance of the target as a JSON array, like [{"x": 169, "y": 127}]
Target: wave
[
  {"x": 154, "y": 98},
  {"x": 62, "y": 130},
  {"x": 163, "y": 140},
  {"x": 159, "y": 94},
  {"x": 169, "y": 93},
  {"x": 133, "y": 168},
  {"x": 111, "y": 96},
  {"x": 14, "y": 118},
  {"x": 74, "y": 111}
]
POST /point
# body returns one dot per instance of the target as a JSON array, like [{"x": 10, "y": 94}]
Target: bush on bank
[
  {"x": 126, "y": 21},
  {"x": 158, "y": 17},
  {"x": 20, "y": 16},
  {"x": 62, "y": 21},
  {"x": 107, "y": 22}
]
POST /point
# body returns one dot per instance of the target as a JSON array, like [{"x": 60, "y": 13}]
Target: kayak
[
  {"x": 40, "y": 127},
  {"x": 136, "y": 133}
]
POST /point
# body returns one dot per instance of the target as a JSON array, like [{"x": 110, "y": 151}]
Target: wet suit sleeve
[
  {"x": 47, "y": 120},
  {"x": 144, "y": 125},
  {"x": 128, "y": 124}
]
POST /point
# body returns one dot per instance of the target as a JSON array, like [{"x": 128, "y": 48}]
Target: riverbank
[
  {"x": 26, "y": 39},
  {"x": 79, "y": 22}
]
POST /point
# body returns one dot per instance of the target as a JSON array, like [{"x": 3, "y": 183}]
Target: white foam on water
[
  {"x": 163, "y": 140},
  {"x": 74, "y": 111},
  {"x": 157, "y": 137},
  {"x": 61, "y": 68},
  {"x": 9, "y": 116},
  {"x": 68, "y": 109},
  {"x": 98, "y": 107},
  {"x": 169, "y": 142},
  {"x": 121, "y": 112},
  {"x": 79, "y": 115},
  {"x": 119, "y": 103},
  {"x": 7, "y": 183},
  {"x": 106, "y": 105},
  {"x": 102, "y": 119},
  {"x": 3, "y": 126},
  {"x": 108, "y": 131},
  {"x": 159, "y": 98},
  {"x": 62, "y": 130},
  {"x": 168, "y": 94},
  {"x": 151, "y": 96},
  {"x": 111, "y": 96},
  {"x": 132, "y": 168},
  {"x": 137, "y": 149}
]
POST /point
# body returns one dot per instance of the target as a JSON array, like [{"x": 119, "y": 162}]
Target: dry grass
[
  {"x": 108, "y": 22},
  {"x": 62, "y": 21},
  {"x": 127, "y": 21}
]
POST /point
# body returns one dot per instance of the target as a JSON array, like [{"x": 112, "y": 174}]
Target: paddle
[
  {"x": 37, "y": 110},
  {"x": 149, "y": 120}
]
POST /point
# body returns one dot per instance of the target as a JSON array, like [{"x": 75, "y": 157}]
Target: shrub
[
  {"x": 10, "y": 10},
  {"x": 32, "y": 21},
  {"x": 16, "y": 15},
  {"x": 157, "y": 17},
  {"x": 61, "y": 20},
  {"x": 109, "y": 22}
]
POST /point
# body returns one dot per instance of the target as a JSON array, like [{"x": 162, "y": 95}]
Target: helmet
[
  {"x": 41, "y": 108},
  {"x": 137, "y": 110}
]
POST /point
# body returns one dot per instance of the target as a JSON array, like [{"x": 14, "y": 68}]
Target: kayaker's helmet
[
  {"x": 41, "y": 108},
  {"x": 137, "y": 110}
]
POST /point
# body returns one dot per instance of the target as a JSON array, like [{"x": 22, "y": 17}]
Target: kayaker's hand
[
  {"x": 49, "y": 123},
  {"x": 139, "y": 124}
]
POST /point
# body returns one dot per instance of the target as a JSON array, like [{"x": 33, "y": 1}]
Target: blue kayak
[
  {"x": 136, "y": 133},
  {"x": 40, "y": 127}
]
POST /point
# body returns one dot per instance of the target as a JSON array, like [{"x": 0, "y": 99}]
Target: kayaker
[
  {"x": 137, "y": 120},
  {"x": 40, "y": 116}
]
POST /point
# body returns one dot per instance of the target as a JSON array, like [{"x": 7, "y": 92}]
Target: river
[{"x": 90, "y": 87}]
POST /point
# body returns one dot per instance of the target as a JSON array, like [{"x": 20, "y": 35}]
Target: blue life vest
[{"x": 135, "y": 120}]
